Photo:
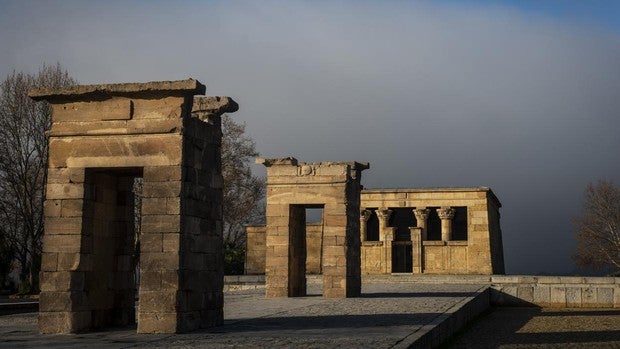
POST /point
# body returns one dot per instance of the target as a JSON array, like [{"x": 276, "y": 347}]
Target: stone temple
[
  {"x": 418, "y": 231},
  {"x": 98, "y": 257}
]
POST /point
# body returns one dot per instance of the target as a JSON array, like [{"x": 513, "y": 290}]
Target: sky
[{"x": 519, "y": 96}]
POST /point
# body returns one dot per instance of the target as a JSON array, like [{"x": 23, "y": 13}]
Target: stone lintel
[
  {"x": 88, "y": 92},
  {"x": 291, "y": 161},
  {"x": 214, "y": 105}
]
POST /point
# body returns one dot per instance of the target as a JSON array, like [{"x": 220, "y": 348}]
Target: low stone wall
[
  {"x": 556, "y": 291},
  {"x": 528, "y": 290},
  {"x": 505, "y": 290}
]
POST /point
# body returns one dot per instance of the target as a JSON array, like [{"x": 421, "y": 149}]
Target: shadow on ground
[{"x": 536, "y": 327}]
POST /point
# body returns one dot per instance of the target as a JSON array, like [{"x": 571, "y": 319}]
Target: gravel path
[{"x": 509, "y": 328}]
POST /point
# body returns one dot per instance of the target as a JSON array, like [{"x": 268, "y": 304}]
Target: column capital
[
  {"x": 384, "y": 213},
  {"x": 446, "y": 212},
  {"x": 421, "y": 214},
  {"x": 365, "y": 215}
]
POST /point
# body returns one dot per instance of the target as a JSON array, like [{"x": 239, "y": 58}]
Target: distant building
[{"x": 419, "y": 231}]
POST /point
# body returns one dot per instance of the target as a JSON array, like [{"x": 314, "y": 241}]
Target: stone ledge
[{"x": 79, "y": 92}]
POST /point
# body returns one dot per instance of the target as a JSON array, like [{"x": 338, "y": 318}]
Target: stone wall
[
  {"x": 103, "y": 137},
  {"x": 527, "y": 290},
  {"x": 556, "y": 291},
  {"x": 291, "y": 188},
  {"x": 481, "y": 253}
]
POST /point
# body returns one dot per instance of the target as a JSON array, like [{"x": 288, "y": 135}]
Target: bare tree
[
  {"x": 243, "y": 192},
  {"x": 598, "y": 228},
  {"x": 23, "y": 165}
]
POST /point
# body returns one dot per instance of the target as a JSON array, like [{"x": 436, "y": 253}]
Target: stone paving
[
  {"x": 383, "y": 317},
  {"x": 511, "y": 328}
]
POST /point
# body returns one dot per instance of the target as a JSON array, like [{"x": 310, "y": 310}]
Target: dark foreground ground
[
  {"x": 509, "y": 328},
  {"x": 382, "y": 318}
]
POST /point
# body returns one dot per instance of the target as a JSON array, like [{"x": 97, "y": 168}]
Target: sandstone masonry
[
  {"x": 292, "y": 187},
  {"x": 418, "y": 231},
  {"x": 102, "y": 138}
]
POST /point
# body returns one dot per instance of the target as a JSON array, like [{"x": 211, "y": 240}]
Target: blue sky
[{"x": 518, "y": 96}]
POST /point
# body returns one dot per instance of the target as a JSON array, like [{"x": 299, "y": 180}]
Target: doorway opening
[
  {"x": 402, "y": 219},
  {"x": 111, "y": 245},
  {"x": 302, "y": 238}
]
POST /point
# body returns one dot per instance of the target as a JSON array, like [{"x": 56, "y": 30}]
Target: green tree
[
  {"x": 23, "y": 166},
  {"x": 598, "y": 228}
]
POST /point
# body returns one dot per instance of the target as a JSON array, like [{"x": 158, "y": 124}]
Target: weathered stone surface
[
  {"x": 89, "y": 92},
  {"x": 291, "y": 188},
  {"x": 102, "y": 138},
  {"x": 481, "y": 253}
]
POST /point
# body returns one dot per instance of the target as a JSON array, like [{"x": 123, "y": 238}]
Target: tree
[
  {"x": 598, "y": 227},
  {"x": 243, "y": 192},
  {"x": 23, "y": 165}
]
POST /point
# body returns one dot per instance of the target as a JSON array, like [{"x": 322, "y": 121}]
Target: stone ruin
[
  {"x": 292, "y": 187},
  {"x": 103, "y": 137}
]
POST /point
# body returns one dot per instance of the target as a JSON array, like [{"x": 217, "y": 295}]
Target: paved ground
[
  {"x": 383, "y": 317},
  {"x": 509, "y": 328}
]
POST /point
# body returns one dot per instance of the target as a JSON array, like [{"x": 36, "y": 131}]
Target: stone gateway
[{"x": 103, "y": 137}]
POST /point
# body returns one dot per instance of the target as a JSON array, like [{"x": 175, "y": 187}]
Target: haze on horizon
[{"x": 521, "y": 97}]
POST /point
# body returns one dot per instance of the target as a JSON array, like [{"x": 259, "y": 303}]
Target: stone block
[
  {"x": 152, "y": 242},
  {"x": 605, "y": 297},
  {"x": 62, "y": 301},
  {"x": 69, "y": 261},
  {"x": 64, "y": 191},
  {"x": 157, "y": 261},
  {"x": 171, "y": 242},
  {"x": 65, "y": 175},
  {"x": 162, "y": 173},
  {"x": 63, "y": 225},
  {"x": 62, "y": 243},
  {"x": 154, "y": 205},
  {"x": 161, "y": 189},
  {"x": 588, "y": 296},
  {"x": 61, "y": 281},
  {"x": 542, "y": 295},
  {"x": 161, "y": 301},
  {"x": 52, "y": 208},
  {"x": 105, "y": 152},
  {"x": 64, "y": 322},
  {"x": 49, "y": 261},
  {"x": 157, "y": 322},
  {"x": 573, "y": 297},
  {"x": 160, "y": 223},
  {"x": 112, "y": 109},
  {"x": 558, "y": 296}
]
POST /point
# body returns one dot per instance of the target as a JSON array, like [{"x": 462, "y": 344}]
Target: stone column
[
  {"x": 416, "y": 253},
  {"x": 386, "y": 234},
  {"x": 421, "y": 216},
  {"x": 364, "y": 216},
  {"x": 446, "y": 214}
]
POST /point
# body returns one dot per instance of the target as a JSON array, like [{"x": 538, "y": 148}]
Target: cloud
[{"x": 430, "y": 95}]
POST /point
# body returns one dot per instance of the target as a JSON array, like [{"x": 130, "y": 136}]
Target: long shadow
[
  {"x": 566, "y": 337},
  {"x": 505, "y": 326},
  {"x": 294, "y": 323},
  {"x": 581, "y": 313},
  {"x": 416, "y": 294}
]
